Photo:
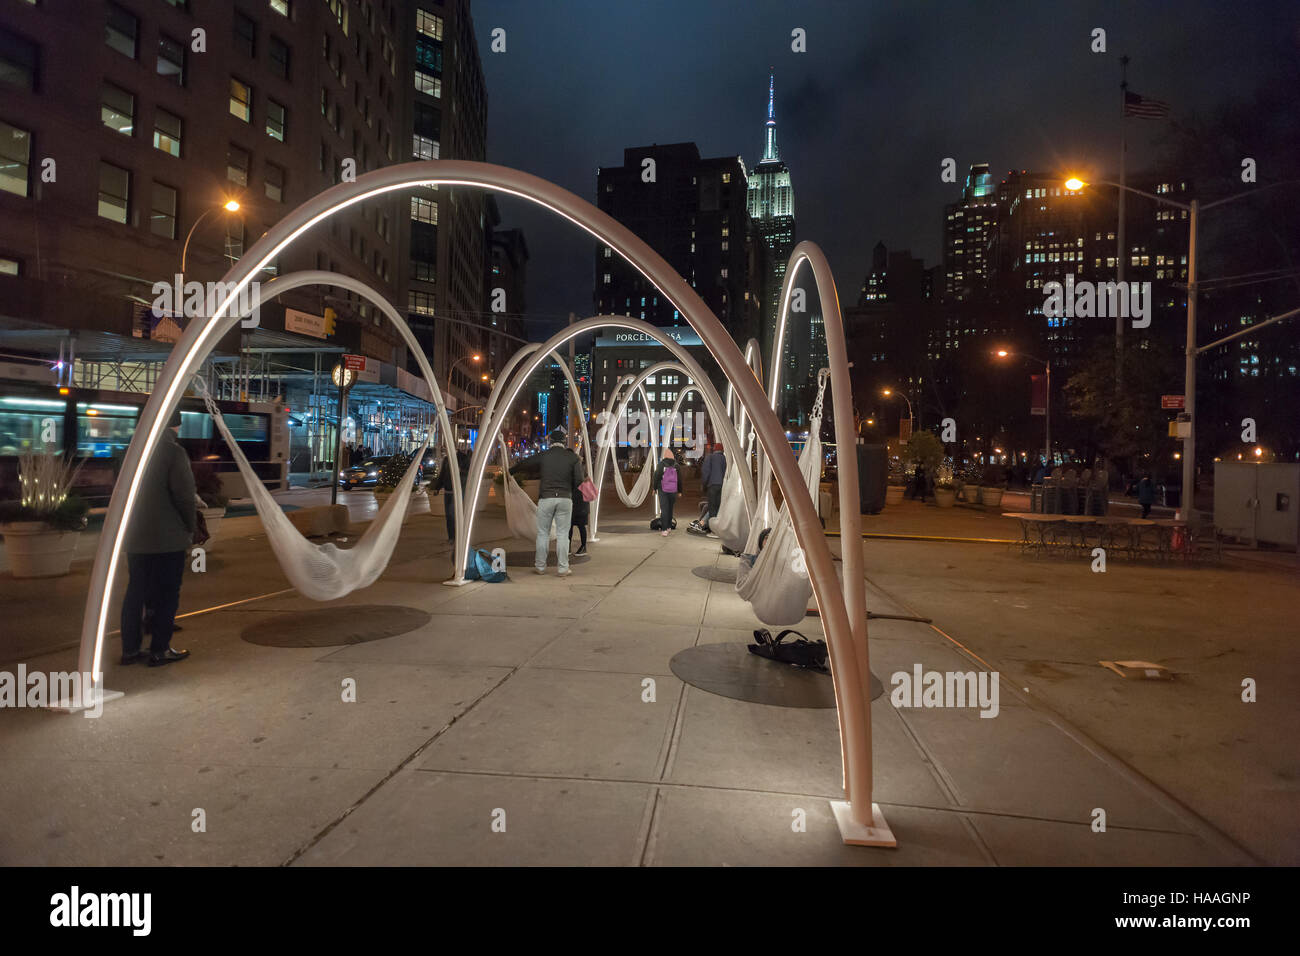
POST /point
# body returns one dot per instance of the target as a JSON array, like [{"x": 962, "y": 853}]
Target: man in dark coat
[
  {"x": 560, "y": 473},
  {"x": 712, "y": 471},
  {"x": 158, "y": 538}
]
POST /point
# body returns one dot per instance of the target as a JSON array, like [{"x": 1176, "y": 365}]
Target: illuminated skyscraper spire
[{"x": 769, "y": 134}]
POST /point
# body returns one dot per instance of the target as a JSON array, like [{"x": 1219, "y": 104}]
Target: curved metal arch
[
  {"x": 705, "y": 389},
  {"x": 847, "y": 660},
  {"x": 604, "y": 453},
  {"x": 524, "y": 370},
  {"x": 574, "y": 392},
  {"x": 294, "y": 280}
]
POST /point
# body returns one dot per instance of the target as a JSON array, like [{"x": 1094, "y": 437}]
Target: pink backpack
[{"x": 669, "y": 482}]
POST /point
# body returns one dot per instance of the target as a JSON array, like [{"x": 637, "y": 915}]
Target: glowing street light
[
  {"x": 230, "y": 205},
  {"x": 1074, "y": 184},
  {"x": 1047, "y": 408}
]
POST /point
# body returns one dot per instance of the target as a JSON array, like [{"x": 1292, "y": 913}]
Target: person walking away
[
  {"x": 711, "y": 474},
  {"x": 449, "y": 490},
  {"x": 581, "y": 515},
  {"x": 158, "y": 538},
  {"x": 1146, "y": 494},
  {"x": 559, "y": 472},
  {"x": 921, "y": 482},
  {"x": 667, "y": 480}
]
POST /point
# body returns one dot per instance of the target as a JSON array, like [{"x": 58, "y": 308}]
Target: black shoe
[
  {"x": 129, "y": 659},
  {"x": 169, "y": 656},
  {"x": 580, "y": 551}
]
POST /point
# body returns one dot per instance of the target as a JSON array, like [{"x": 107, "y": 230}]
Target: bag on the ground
[
  {"x": 587, "y": 490},
  {"x": 480, "y": 568},
  {"x": 800, "y": 653},
  {"x": 668, "y": 483},
  {"x": 656, "y": 524}
]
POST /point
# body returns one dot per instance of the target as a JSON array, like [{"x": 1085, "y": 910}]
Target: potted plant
[
  {"x": 971, "y": 485},
  {"x": 41, "y": 528},
  {"x": 993, "y": 483},
  {"x": 945, "y": 486},
  {"x": 207, "y": 484}
]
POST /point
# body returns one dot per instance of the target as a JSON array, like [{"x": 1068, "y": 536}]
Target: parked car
[{"x": 363, "y": 473}]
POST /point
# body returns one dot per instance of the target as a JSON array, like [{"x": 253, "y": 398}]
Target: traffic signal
[{"x": 331, "y": 320}]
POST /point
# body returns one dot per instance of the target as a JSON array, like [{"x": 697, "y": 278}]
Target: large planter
[
  {"x": 894, "y": 494},
  {"x": 35, "y": 550},
  {"x": 974, "y": 494},
  {"x": 213, "y": 517},
  {"x": 991, "y": 497},
  {"x": 945, "y": 497}
]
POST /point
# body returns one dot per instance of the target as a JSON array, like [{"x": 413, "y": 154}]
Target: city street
[{"x": 527, "y": 697}]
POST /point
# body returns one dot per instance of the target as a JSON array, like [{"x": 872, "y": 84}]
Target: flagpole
[{"x": 1120, "y": 254}]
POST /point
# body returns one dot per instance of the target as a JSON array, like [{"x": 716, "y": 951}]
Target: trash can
[{"x": 1171, "y": 496}]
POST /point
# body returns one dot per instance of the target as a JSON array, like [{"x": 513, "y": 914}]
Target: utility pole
[{"x": 1120, "y": 254}]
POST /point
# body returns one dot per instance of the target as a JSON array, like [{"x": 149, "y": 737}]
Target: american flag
[{"x": 1147, "y": 108}]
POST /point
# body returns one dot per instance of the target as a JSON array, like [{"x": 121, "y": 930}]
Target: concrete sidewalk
[{"x": 526, "y": 702}]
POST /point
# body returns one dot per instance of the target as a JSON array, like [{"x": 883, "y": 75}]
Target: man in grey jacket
[
  {"x": 158, "y": 537},
  {"x": 560, "y": 473}
]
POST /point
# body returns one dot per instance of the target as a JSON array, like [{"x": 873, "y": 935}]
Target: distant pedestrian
[
  {"x": 667, "y": 482},
  {"x": 1146, "y": 494},
  {"x": 712, "y": 471},
  {"x": 559, "y": 474},
  {"x": 921, "y": 482},
  {"x": 581, "y": 515},
  {"x": 158, "y": 537},
  {"x": 448, "y": 489}
]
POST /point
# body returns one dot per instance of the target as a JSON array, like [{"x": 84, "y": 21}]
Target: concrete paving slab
[
  {"x": 86, "y": 813},
  {"x": 421, "y": 818},
  {"x": 554, "y": 596},
  {"x": 459, "y": 639},
  {"x": 1018, "y": 763},
  {"x": 705, "y": 827},
  {"x": 563, "y": 723},
  {"x": 617, "y": 646},
  {"x": 1021, "y": 841},
  {"x": 665, "y": 605},
  {"x": 737, "y": 744}
]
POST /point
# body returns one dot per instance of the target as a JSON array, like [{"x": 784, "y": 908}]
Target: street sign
[
  {"x": 1176, "y": 402},
  {"x": 355, "y": 363},
  {"x": 304, "y": 323}
]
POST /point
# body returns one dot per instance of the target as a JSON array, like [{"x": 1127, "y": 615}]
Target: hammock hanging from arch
[
  {"x": 322, "y": 572},
  {"x": 521, "y": 510},
  {"x": 777, "y": 586}
]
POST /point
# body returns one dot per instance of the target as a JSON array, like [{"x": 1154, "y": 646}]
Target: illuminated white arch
[
  {"x": 598, "y": 478},
  {"x": 522, "y": 370},
  {"x": 843, "y": 617},
  {"x": 703, "y": 386}
]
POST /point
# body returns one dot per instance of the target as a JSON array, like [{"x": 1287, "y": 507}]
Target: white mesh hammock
[
  {"x": 777, "y": 586},
  {"x": 521, "y": 510},
  {"x": 731, "y": 523},
  {"x": 322, "y": 572}
]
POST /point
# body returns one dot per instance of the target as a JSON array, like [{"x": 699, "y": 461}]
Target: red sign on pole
[
  {"x": 355, "y": 363},
  {"x": 1038, "y": 395},
  {"x": 1177, "y": 402}
]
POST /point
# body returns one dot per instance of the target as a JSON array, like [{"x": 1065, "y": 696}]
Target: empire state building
[{"x": 770, "y": 200}]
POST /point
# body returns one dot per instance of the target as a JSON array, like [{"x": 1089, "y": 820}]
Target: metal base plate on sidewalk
[{"x": 857, "y": 834}]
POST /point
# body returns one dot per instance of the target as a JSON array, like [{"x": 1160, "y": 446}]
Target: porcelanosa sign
[{"x": 680, "y": 335}]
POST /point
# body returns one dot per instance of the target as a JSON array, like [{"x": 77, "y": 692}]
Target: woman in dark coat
[{"x": 581, "y": 514}]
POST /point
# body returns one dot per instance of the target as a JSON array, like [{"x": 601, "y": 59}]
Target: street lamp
[
  {"x": 1047, "y": 407},
  {"x": 1193, "y": 209},
  {"x": 230, "y": 205},
  {"x": 911, "y": 419}
]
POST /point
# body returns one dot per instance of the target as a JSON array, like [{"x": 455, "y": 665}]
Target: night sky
[{"x": 885, "y": 92}]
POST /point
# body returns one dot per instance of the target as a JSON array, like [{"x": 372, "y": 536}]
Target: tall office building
[
  {"x": 968, "y": 231},
  {"x": 692, "y": 212},
  {"x": 444, "y": 276},
  {"x": 771, "y": 208}
]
